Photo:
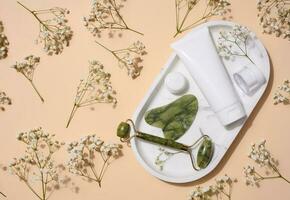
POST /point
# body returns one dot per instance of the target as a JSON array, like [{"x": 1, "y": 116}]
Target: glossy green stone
[
  {"x": 205, "y": 153},
  {"x": 123, "y": 130},
  {"x": 174, "y": 118}
]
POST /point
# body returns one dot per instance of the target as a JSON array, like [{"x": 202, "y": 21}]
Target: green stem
[
  {"x": 227, "y": 195},
  {"x": 130, "y": 29},
  {"x": 279, "y": 174},
  {"x": 287, "y": 181},
  {"x": 43, "y": 187},
  {"x": 250, "y": 59},
  {"x": 179, "y": 28},
  {"x": 3, "y": 194},
  {"x": 34, "y": 87},
  {"x": 113, "y": 53},
  {"x": 33, "y": 191},
  {"x": 34, "y": 14},
  {"x": 73, "y": 111},
  {"x": 184, "y": 18},
  {"x": 104, "y": 46},
  {"x": 113, "y": 3},
  {"x": 191, "y": 25},
  {"x": 177, "y": 32},
  {"x": 102, "y": 172},
  {"x": 96, "y": 176},
  {"x": 273, "y": 177}
]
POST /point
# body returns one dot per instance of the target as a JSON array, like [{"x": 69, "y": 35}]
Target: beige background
[{"x": 58, "y": 76}]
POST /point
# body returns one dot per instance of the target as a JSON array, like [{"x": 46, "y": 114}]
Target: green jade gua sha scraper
[
  {"x": 174, "y": 118},
  {"x": 205, "y": 144}
]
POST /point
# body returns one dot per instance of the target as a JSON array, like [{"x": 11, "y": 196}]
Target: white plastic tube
[{"x": 199, "y": 55}]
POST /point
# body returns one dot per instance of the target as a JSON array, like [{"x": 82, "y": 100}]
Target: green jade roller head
[{"x": 205, "y": 145}]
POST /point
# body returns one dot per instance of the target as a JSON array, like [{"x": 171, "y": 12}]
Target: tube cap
[
  {"x": 231, "y": 113},
  {"x": 249, "y": 79}
]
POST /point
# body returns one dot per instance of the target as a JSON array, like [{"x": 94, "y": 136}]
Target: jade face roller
[{"x": 204, "y": 143}]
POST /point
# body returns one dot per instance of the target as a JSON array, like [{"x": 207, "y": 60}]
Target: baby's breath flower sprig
[
  {"x": 83, "y": 157},
  {"x": 37, "y": 164},
  {"x": 274, "y": 17},
  {"x": 96, "y": 88},
  {"x": 183, "y": 8},
  {"x": 234, "y": 43},
  {"x": 105, "y": 16},
  {"x": 27, "y": 68},
  {"x": 163, "y": 157},
  {"x": 4, "y": 100},
  {"x": 264, "y": 159},
  {"x": 129, "y": 58},
  {"x": 282, "y": 93},
  {"x": 221, "y": 188},
  {"x": 54, "y": 32},
  {"x": 3, "y": 42}
]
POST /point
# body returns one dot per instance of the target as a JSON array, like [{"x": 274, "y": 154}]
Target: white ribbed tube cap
[
  {"x": 231, "y": 114},
  {"x": 249, "y": 79}
]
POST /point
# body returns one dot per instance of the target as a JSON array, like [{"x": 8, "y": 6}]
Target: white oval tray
[{"x": 178, "y": 168}]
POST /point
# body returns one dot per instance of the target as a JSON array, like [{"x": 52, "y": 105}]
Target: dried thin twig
[
  {"x": 83, "y": 157},
  {"x": 54, "y": 32},
  {"x": 183, "y": 8},
  {"x": 105, "y": 16},
  {"x": 3, "y": 194},
  {"x": 235, "y": 43},
  {"x": 95, "y": 89},
  {"x": 37, "y": 164},
  {"x": 129, "y": 58},
  {"x": 222, "y": 188},
  {"x": 27, "y": 68},
  {"x": 264, "y": 159}
]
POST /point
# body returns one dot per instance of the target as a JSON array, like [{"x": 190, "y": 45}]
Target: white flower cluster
[
  {"x": 251, "y": 176},
  {"x": 54, "y": 33},
  {"x": 274, "y": 16},
  {"x": 83, "y": 155},
  {"x": 131, "y": 58},
  {"x": 3, "y": 42},
  {"x": 261, "y": 155},
  {"x": 219, "y": 7},
  {"x": 97, "y": 88},
  {"x": 162, "y": 158},
  {"x": 282, "y": 94},
  {"x": 37, "y": 163},
  {"x": 189, "y": 3},
  {"x": 183, "y": 8},
  {"x": 263, "y": 158},
  {"x": 105, "y": 16},
  {"x": 28, "y": 66},
  {"x": 234, "y": 42},
  {"x": 4, "y": 100},
  {"x": 37, "y": 138},
  {"x": 221, "y": 187}
]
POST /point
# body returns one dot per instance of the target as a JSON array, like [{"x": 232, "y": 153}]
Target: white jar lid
[{"x": 176, "y": 83}]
